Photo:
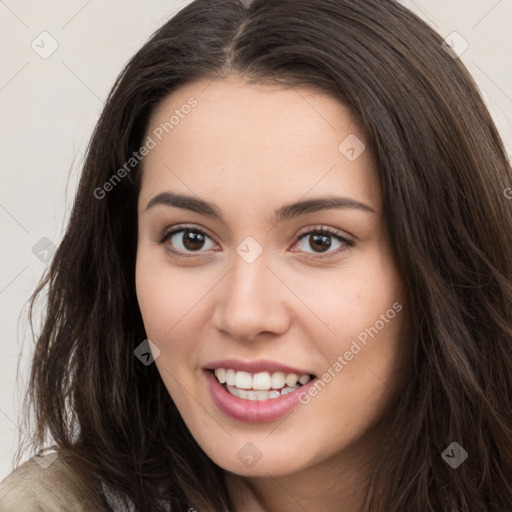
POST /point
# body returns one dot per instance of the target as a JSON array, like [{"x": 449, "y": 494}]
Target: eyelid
[
  {"x": 183, "y": 227},
  {"x": 342, "y": 237},
  {"x": 321, "y": 228}
]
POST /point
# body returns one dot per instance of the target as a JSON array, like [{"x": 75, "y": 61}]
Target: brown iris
[
  {"x": 193, "y": 240},
  {"x": 320, "y": 242}
]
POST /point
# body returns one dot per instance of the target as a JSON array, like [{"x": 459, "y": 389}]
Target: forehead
[{"x": 256, "y": 141}]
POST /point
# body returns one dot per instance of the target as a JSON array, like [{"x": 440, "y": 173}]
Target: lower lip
[{"x": 253, "y": 411}]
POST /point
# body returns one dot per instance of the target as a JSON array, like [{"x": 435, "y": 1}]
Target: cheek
[
  {"x": 175, "y": 309},
  {"x": 165, "y": 302},
  {"x": 363, "y": 355},
  {"x": 351, "y": 302},
  {"x": 166, "y": 296},
  {"x": 154, "y": 297},
  {"x": 363, "y": 360}
]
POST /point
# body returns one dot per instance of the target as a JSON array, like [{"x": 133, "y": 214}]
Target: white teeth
[
  {"x": 259, "y": 395},
  {"x": 259, "y": 386},
  {"x": 277, "y": 381},
  {"x": 291, "y": 380},
  {"x": 261, "y": 381},
  {"x": 230, "y": 376},
  {"x": 289, "y": 390},
  {"x": 220, "y": 373},
  {"x": 243, "y": 380},
  {"x": 304, "y": 379},
  {"x": 265, "y": 395}
]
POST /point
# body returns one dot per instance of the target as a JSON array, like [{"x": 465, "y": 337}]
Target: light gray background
[{"x": 49, "y": 106}]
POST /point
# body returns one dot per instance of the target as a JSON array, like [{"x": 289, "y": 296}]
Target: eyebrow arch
[{"x": 284, "y": 213}]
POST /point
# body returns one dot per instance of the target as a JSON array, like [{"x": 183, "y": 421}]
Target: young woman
[{"x": 286, "y": 280}]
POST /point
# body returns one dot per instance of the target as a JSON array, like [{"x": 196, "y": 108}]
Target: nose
[{"x": 251, "y": 301}]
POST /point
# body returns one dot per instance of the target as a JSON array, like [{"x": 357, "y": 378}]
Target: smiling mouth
[{"x": 259, "y": 386}]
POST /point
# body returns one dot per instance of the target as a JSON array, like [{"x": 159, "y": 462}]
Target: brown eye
[
  {"x": 186, "y": 240},
  {"x": 320, "y": 240},
  {"x": 192, "y": 240}
]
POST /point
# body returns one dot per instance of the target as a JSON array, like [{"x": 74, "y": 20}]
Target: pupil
[
  {"x": 322, "y": 242},
  {"x": 193, "y": 240}
]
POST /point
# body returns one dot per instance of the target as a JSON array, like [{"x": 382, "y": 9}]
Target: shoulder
[{"x": 50, "y": 482}]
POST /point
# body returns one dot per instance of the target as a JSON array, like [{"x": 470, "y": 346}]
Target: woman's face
[{"x": 244, "y": 174}]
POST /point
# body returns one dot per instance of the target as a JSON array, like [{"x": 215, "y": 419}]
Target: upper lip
[{"x": 254, "y": 366}]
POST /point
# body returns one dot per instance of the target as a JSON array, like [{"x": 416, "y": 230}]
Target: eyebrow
[{"x": 287, "y": 212}]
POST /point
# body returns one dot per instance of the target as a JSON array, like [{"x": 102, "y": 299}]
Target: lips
[
  {"x": 255, "y": 366},
  {"x": 246, "y": 405}
]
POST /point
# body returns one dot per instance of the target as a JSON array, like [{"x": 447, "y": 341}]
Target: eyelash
[{"x": 318, "y": 230}]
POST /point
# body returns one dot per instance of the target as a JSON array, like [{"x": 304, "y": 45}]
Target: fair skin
[{"x": 250, "y": 150}]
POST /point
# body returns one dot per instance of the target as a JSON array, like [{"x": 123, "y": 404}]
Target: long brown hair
[{"x": 443, "y": 172}]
